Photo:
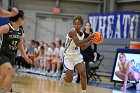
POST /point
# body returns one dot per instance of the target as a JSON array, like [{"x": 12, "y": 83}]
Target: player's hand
[
  {"x": 28, "y": 59},
  {"x": 92, "y": 35},
  {"x": 14, "y": 11}
]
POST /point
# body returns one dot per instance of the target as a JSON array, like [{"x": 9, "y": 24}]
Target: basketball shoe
[
  {"x": 83, "y": 91},
  {"x": 62, "y": 81}
]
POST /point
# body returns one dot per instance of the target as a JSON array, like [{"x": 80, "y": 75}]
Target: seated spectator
[
  {"x": 57, "y": 61},
  {"x": 49, "y": 59}
]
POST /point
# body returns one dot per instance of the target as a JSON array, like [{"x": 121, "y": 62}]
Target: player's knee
[{"x": 10, "y": 72}]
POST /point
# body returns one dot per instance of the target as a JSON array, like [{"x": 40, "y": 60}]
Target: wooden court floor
[{"x": 31, "y": 83}]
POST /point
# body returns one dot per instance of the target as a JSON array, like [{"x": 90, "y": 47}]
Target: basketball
[{"x": 97, "y": 37}]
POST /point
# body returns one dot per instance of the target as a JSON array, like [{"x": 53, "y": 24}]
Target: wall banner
[{"x": 116, "y": 24}]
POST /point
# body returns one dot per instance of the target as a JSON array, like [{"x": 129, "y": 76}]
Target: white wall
[
  {"x": 133, "y": 6},
  {"x": 33, "y": 7},
  {"x": 30, "y": 24}
]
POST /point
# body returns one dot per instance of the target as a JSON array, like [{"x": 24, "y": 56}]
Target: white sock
[
  {"x": 63, "y": 76},
  {"x": 83, "y": 91}
]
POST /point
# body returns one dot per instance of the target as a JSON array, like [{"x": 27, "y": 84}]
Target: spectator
[{"x": 89, "y": 54}]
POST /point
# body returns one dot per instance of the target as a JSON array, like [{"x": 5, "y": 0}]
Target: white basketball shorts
[{"x": 69, "y": 62}]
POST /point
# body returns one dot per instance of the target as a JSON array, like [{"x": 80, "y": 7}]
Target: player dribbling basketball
[{"x": 72, "y": 56}]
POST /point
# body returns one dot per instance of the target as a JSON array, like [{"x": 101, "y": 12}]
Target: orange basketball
[{"x": 97, "y": 37}]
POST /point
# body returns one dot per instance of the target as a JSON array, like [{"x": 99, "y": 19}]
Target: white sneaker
[
  {"x": 38, "y": 71},
  {"x": 57, "y": 73},
  {"x": 50, "y": 73},
  {"x": 74, "y": 79},
  {"x": 83, "y": 91},
  {"x": 46, "y": 73},
  {"x": 62, "y": 81}
]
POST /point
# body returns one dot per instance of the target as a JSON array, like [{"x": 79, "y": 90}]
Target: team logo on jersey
[
  {"x": 14, "y": 36},
  {"x": 19, "y": 33}
]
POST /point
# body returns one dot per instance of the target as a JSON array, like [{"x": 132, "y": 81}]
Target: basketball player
[
  {"x": 72, "y": 56},
  {"x": 4, "y": 13},
  {"x": 126, "y": 71},
  {"x": 12, "y": 40}
]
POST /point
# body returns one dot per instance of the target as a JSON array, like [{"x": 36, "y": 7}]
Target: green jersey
[{"x": 11, "y": 40}]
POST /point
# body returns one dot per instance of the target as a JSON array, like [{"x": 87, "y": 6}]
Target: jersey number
[
  {"x": 14, "y": 43},
  {"x": 67, "y": 44}
]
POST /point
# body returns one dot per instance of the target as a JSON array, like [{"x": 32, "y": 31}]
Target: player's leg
[
  {"x": 81, "y": 70},
  {"x": 68, "y": 68},
  {"x": 8, "y": 71},
  {"x": 2, "y": 78},
  {"x": 68, "y": 76}
]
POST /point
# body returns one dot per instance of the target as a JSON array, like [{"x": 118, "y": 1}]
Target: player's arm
[
  {"x": 21, "y": 48},
  {"x": 4, "y": 29},
  {"x": 78, "y": 42},
  {"x": 4, "y": 13},
  {"x": 84, "y": 46}
]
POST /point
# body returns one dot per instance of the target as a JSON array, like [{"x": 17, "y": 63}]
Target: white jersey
[
  {"x": 72, "y": 55},
  {"x": 61, "y": 51},
  {"x": 49, "y": 52},
  {"x": 70, "y": 47},
  {"x": 56, "y": 52}
]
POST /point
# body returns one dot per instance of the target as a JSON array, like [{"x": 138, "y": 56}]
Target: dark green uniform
[{"x": 9, "y": 45}]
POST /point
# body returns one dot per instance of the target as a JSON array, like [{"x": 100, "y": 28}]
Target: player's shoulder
[
  {"x": 5, "y": 28},
  {"x": 72, "y": 32}
]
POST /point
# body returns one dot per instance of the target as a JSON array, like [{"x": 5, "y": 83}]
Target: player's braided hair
[{"x": 78, "y": 18}]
